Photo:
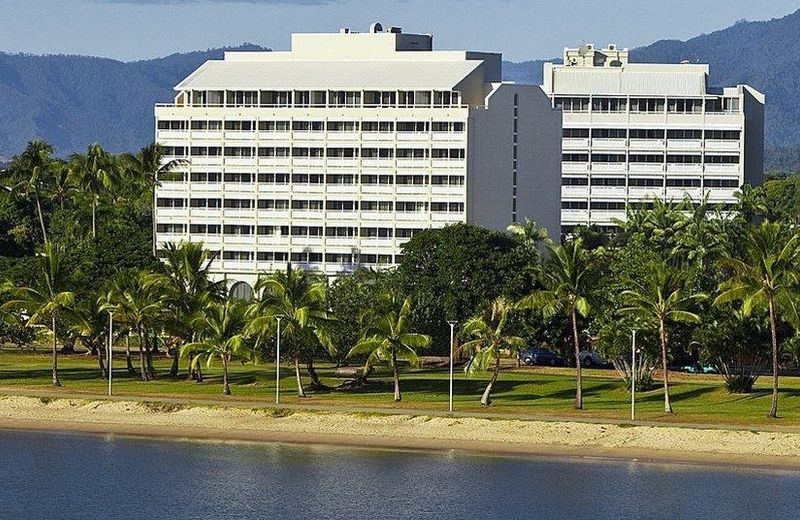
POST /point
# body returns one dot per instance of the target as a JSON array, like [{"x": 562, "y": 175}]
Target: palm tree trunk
[
  {"x": 142, "y": 365},
  {"x": 300, "y": 390},
  {"x": 128, "y": 362},
  {"x": 663, "y": 334},
  {"x": 94, "y": 217},
  {"x": 486, "y": 397},
  {"x": 773, "y": 326},
  {"x": 56, "y": 382},
  {"x": 312, "y": 373},
  {"x": 41, "y": 217},
  {"x": 395, "y": 377},
  {"x": 226, "y": 389},
  {"x": 173, "y": 370},
  {"x": 100, "y": 360},
  {"x": 579, "y": 383}
]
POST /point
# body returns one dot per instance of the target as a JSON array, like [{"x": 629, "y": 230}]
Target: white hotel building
[
  {"x": 634, "y": 132},
  {"x": 332, "y": 155}
]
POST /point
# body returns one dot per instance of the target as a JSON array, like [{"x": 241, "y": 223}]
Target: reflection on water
[{"x": 44, "y": 475}]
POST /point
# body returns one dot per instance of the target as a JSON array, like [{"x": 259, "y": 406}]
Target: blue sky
[{"x": 521, "y": 29}]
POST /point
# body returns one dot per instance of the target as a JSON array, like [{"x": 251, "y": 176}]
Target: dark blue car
[{"x": 540, "y": 356}]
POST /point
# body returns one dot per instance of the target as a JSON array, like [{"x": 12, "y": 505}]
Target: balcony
[
  {"x": 241, "y": 161},
  {"x": 449, "y": 163},
  {"x": 281, "y": 162},
  {"x": 574, "y": 216},
  {"x": 440, "y": 137},
  {"x": 575, "y": 167},
  {"x": 639, "y": 193},
  {"x": 342, "y": 162},
  {"x": 609, "y": 167},
  {"x": 312, "y": 162},
  {"x": 206, "y": 161},
  {"x": 685, "y": 145},
  {"x": 723, "y": 169},
  {"x": 678, "y": 194},
  {"x": 642, "y": 167},
  {"x": 647, "y": 144},
  {"x": 580, "y": 192},
  {"x": 172, "y": 135},
  {"x": 684, "y": 168},
  {"x": 275, "y": 136},
  {"x": 344, "y": 136},
  {"x": 413, "y": 136},
  {"x": 239, "y": 135},
  {"x": 609, "y": 192},
  {"x": 206, "y": 135},
  {"x": 448, "y": 218},
  {"x": 722, "y": 146},
  {"x": 377, "y": 136},
  {"x": 609, "y": 144},
  {"x": 574, "y": 144}
]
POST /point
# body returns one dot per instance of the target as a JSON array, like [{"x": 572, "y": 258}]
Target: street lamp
[
  {"x": 110, "y": 344},
  {"x": 633, "y": 376},
  {"x": 452, "y": 334},
  {"x": 278, "y": 365}
]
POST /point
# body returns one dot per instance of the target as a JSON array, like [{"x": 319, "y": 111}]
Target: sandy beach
[{"x": 510, "y": 437}]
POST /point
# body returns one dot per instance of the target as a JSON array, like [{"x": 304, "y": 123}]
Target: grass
[{"x": 526, "y": 391}]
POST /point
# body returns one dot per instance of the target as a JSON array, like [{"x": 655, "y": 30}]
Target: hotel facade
[
  {"x": 636, "y": 132},
  {"x": 332, "y": 155}
]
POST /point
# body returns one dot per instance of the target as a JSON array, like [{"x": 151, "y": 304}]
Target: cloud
[{"x": 175, "y": 2}]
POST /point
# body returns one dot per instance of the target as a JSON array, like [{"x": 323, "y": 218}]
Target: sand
[{"x": 395, "y": 431}]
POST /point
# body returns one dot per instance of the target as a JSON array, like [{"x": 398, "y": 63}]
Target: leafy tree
[
  {"x": 299, "y": 299},
  {"x": 33, "y": 169},
  {"x": 221, "y": 330},
  {"x": 90, "y": 322},
  {"x": 565, "y": 278},
  {"x": 46, "y": 300},
  {"x": 386, "y": 336},
  {"x": 489, "y": 333},
  {"x": 660, "y": 299},
  {"x": 764, "y": 277}
]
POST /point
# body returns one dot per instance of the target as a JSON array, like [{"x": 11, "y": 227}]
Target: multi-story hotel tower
[
  {"x": 333, "y": 154},
  {"x": 634, "y": 132}
]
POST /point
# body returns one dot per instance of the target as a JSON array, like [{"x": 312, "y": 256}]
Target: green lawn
[{"x": 541, "y": 391}]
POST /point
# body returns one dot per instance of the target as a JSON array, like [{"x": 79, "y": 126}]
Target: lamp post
[
  {"x": 110, "y": 344},
  {"x": 278, "y": 365},
  {"x": 633, "y": 377},
  {"x": 452, "y": 337}
]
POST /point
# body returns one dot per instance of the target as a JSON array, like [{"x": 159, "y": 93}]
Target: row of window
[
  {"x": 315, "y": 178},
  {"x": 313, "y": 126},
  {"x": 312, "y": 205},
  {"x": 650, "y": 158},
  {"x": 648, "y": 182},
  {"x": 646, "y": 105},
  {"x": 304, "y": 151},
  {"x": 310, "y": 257},
  {"x": 296, "y": 231},
  {"x": 618, "y": 205},
  {"x": 651, "y": 133},
  {"x": 321, "y": 98}
]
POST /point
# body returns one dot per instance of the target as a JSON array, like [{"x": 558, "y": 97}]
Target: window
[
  {"x": 374, "y": 205},
  {"x": 447, "y": 153},
  {"x": 685, "y": 135},
  {"x": 175, "y": 229},
  {"x": 239, "y": 151},
  {"x": 413, "y": 153},
  {"x": 340, "y": 231},
  {"x": 309, "y": 98},
  {"x": 273, "y": 178},
  {"x": 272, "y": 230},
  {"x": 206, "y": 151},
  {"x": 307, "y": 152},
  {"x": 240, "y": 126},
  {"x": 174, "y": 151},
  {"x": 413, "y": 126},
  {"x": 237, "y": 230},
  {"x": 572, "y": 104},
  {"x": 377, "y": 153},
  {"x": 238, "y": 203},
  {"x": 273, "y": 204},
  {"x": 722, "y": 159},
  {"x": 683, "y": 183},
  {"x": 273, "y": 151},
  {"x": 275, "y": 98},
  {"x": 647, "y": 105},
  {"x": 342, "y": 126},
  {"x": 723, "y": 135},
  {"x": 637, "y": 133},
  {"x": 341, "y": 205},
  {"x": 609, "y": 133},
  {"x": 376, "y": 232},
  {"x": 575, "y": 157},
  {"x": 308, "y": 126},
  {"x": 310, "y": 231},
  {"x": 339, "y": 258},
  {"x": 376, "y": 98},
  {"x": 721, "y": 183},
  {"x": 340, "y": 178},
  {"x": 205, "y": 177},
  {"x": 242, "y": 98},
  {"x": 205, "y": 229},
  {"x": 608, "y": 157},
  {"x": 377, "y": 126},
  {"x": 574, "y": 204},
  {"x": 172, "y": 176},
  {"x": 445, "y": 180},
  {"x": 342, "y": 153},
  {"x": 308, "y": 178},
  {"x": 307, "y": 205},
  {"x": 646, "y": 158},
  {"x": 377, "y": 179},
  {"x": 574, "y": 181},
  {"x": 683, "y": 159},
  {"x": 162, "y": 202},
  {"x": 173, "y": 125},
  {"x": 609, "y": 105},
  {"x": 445, "y": 98},
  {"x": 447, "y": 127},
  {"x": 575, "y": 133},
  {"x": 210, "y": 126},
  {"x": 270, "y": 256},
  {"x": 273, "y": 126},
  {"x": 344, "y": 98},
  {"x": 240, "y": 178},
  {"x": 205, "y": 203},
  {"x": 415, "y": 180},
  {"x": 645, "y": 182},
  {"x": 241, "y": 256},
  {"x": 410, "y": 207},
  {"x": 608, "y": 206},
  {"x": 406, "y": 232},
  {"x": 685, "y": 106},
  {"x": 608, "y": 181}
]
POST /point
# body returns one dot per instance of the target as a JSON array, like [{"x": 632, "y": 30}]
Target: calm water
[{"x": 46, "y": 475}]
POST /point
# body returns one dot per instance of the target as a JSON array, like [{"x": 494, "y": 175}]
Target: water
[{"x": 46, "y": 475}]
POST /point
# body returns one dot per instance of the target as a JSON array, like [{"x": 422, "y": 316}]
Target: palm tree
[
  {"x": 61, "y": 188},
  {"x": 530, "y": 234},
  {"x": 300, "y": 300},
  {"x": 189, "y": 289},
  {"x": 385, "y": 336},
  {"x": 221, "y": 330},
  {"x": 137, "y": 301},
  {"x": 94, "y": 173},
  {"x": 489, "y": 331},
  {"x": 47, "y": 299},
  {"x": 90, "y": 324},
  {"x": 764, "y": 277},
  {"x": 564, "y": 276},
  {"x": 33, "y": 168},
  {"x": 660, "y": 299}
]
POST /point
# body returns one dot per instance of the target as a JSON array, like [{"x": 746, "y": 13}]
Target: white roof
[
  {"x": 640, "y": 80},
  {"x": 329, "y": 75}
]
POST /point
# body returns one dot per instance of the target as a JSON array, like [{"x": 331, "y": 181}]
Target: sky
[{"x": 520, "y": 29}]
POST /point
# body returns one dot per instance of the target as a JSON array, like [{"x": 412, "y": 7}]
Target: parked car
[
  {"x": 590, "y": 358},
  {"x": 697, "y": 368},
  {"x": 540, "y": 356}
]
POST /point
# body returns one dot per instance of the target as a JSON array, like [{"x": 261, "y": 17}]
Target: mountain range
[{"x": 76, "y": 100}]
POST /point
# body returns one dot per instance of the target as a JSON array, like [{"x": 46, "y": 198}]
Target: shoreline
[{"x": 510, "y": 438}]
